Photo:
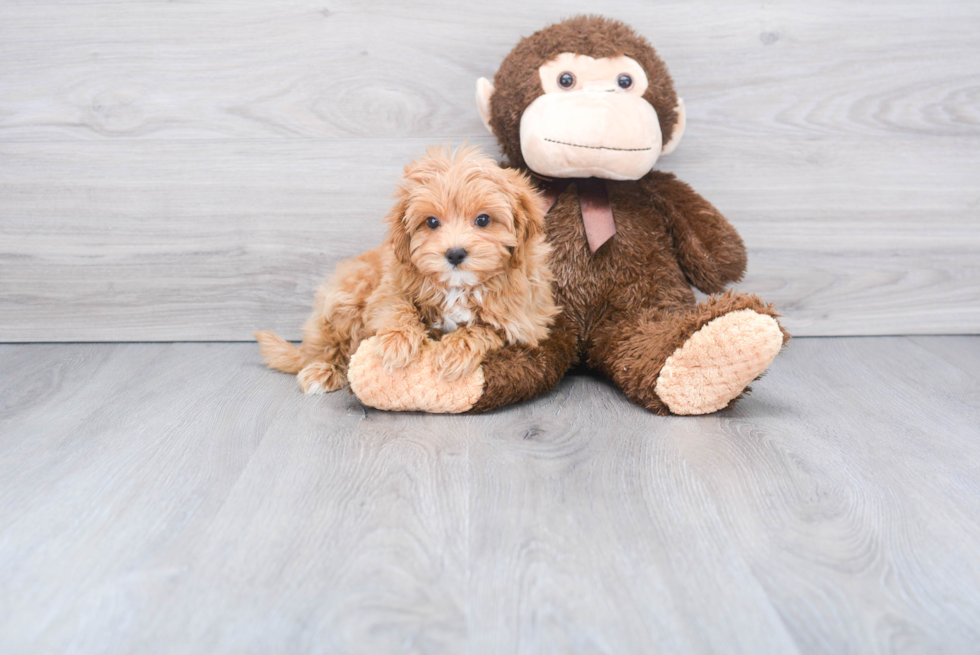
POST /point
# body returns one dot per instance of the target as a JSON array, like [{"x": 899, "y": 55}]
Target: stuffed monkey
[{"x": 587, "y": 107}]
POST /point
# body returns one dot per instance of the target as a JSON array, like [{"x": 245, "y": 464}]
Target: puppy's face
[{"x": 463, "y": 219}]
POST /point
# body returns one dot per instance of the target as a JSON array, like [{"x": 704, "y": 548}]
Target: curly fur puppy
[{"x": 464, "y": 262}]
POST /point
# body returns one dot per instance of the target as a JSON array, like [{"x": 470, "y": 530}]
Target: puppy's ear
[
  {"x": 529, "y": 213},
  {"x": 397, "y": 235},
  {"x": 416, "y": 173}
]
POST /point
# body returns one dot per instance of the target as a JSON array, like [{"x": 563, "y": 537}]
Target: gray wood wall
[{"x": 178, "y": 171}]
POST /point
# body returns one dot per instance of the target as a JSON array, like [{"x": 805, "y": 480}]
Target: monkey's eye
[
  {"x": 566, "y": 80},
  {"x": 625, "y": 81},
  {"x": 432, "y": 222},
  {"x": 482, "y": 220}
]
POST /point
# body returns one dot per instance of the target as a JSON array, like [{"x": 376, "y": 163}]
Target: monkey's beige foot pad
[
  {"x": 718, "y": 361},
  {"x": 415, "y": 388}
]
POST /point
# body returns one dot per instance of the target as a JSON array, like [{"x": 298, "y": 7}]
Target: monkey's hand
[
  {"x": 708, "y": 248},
  {"x": 416, "y": 387}
]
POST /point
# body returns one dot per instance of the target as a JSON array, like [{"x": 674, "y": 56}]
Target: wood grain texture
[
  {"x": 245, "y": 69},
  {"x": 190, "y": 171},
  {"x": 179, "y": 498}
]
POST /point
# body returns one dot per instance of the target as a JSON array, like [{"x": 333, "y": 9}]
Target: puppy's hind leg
[
  {"x": 321, "y": 377},
  {"x": 337, "y": 324},
  {"x": 324, "y": 364},
  {"x": 316, "y": 376}
]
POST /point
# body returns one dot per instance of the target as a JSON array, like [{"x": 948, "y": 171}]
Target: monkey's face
[
  {"x": 584, "y": 114},
  {"x": 592, "y": 120}
]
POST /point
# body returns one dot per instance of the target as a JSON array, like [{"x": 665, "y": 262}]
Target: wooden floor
[{"x": 179, "y": 498}]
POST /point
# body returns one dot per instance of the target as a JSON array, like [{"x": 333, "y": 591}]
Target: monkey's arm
[
  {"x": 709, "y": 250},
  {"x": 508, "y": 375},
  {"x": 514, "y": 374}
]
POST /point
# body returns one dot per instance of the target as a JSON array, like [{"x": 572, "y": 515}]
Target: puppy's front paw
[
  {"x": 398, "y": 348},
  {"x": 455, "y": 357}
]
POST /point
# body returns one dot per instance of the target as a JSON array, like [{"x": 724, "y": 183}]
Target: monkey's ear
[
  {"x": 675, "y": 136},
  {"x": 484, "y": 90}
]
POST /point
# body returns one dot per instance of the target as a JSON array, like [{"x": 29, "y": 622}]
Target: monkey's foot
[
  {"x": 718, "y": 361},
  {"x": 416, "y": 388}
]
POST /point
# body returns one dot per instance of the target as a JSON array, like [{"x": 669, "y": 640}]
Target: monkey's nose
[{"x": 456, "y": 256}]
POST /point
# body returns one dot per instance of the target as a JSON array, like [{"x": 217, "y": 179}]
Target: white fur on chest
[{"x": 455, "y": 308}]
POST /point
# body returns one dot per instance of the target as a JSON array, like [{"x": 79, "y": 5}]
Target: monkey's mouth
[{"x": 577, "y": 145}]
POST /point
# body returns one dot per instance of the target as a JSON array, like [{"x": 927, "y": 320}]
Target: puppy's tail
[{"x": 279, "y": 353}]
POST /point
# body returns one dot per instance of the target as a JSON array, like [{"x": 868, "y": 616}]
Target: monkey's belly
[{"x": 635, "y": 270}]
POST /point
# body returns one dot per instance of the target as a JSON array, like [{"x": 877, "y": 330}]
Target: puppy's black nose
[{"x": 456, "y": 256}]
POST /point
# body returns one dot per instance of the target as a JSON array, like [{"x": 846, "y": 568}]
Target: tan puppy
[{"x": 464, "y": 262}]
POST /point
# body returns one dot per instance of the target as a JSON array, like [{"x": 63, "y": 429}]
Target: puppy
[{"x": 464, "y": 262}]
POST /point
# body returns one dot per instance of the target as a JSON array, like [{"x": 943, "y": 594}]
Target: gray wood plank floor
[
  {"x": 191, "y": 170},
  {"x": 179, "y": 498}
]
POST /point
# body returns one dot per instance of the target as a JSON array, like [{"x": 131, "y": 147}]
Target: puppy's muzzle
[{"x": 455, "y": 256}]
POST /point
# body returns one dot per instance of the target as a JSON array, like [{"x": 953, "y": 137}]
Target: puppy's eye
[
  {"x": 432, "y": 222},
  {"x": 625, "y": 82},
  {"x": 566, "y": 80},
  {"x": 482, "y": 220}
]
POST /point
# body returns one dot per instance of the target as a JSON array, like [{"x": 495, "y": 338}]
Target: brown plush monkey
[{"x": 586, "y": 106}]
